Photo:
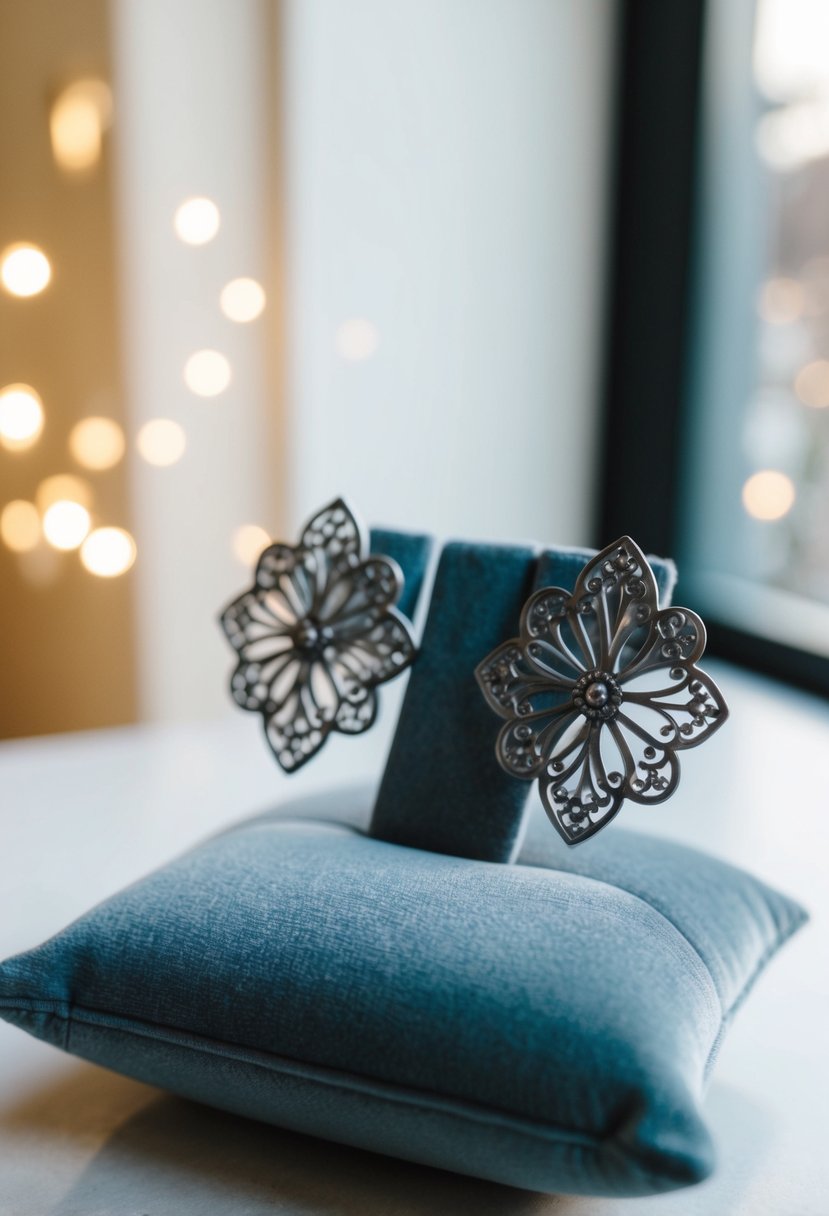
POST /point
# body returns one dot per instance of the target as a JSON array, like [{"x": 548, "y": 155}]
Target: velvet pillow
[{"x": 547, "y": 1024}]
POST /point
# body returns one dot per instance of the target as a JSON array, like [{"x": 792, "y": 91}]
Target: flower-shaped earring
[
  {"x": 315, "y": 635},
  {"x": 600, "y": 691}
]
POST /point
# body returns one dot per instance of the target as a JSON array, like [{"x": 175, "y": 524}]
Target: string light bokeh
[
  {"x": 197, "y": 221},
  {"x": 79, "y": 116},
  {"x": 25, "y": 270},
  {"x": 63, "y": 514},
  {"x": 21, "y": 417}
]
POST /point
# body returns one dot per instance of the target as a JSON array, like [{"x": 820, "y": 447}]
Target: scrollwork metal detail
[
  {"x": 316, "y": 634},
  {"x": 600, "y": 691}
]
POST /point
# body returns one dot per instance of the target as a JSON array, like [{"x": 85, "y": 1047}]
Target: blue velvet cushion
[{"x": 547, "y": 1024}]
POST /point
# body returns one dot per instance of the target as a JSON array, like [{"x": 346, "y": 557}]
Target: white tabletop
[{"x": 84, "y": 814}]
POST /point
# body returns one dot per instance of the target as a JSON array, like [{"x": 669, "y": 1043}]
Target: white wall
[
  {"x": 447, "y": 179},
  {"x": 192, "y": 98},
  {"x": 445, "y": 170}
]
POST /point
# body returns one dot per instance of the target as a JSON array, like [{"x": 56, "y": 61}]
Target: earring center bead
[
  {"x": 310, "y": 637},
  {"x": 597, "y": 695}
]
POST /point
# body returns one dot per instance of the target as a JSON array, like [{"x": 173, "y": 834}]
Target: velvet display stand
[{"x": 443, "y": 789}]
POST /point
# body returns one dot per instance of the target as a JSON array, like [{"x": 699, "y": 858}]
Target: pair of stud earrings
[{"x": 598, "y": 692}]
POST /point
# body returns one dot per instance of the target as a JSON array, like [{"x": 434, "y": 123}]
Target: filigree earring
[
  {"x": 316, "y": 634},
  {"x": 600, "y": 691}
]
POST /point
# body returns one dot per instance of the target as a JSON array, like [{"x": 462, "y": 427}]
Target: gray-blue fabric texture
[
  {"x": 443, "y": 788},
  {"x": 547, "y": 1024},
  {"x": 411, "y": 552}
]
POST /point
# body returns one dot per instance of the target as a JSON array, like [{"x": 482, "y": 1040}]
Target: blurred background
[{"x": 511, "y": 269}]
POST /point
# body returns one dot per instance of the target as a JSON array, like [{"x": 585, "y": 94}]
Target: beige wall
[{"x": 66, "y": 637}]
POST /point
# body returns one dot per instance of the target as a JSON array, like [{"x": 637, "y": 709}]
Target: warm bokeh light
[
  {"x": 63, "y": 487},
  {"x": 207, "y": 373},
  {"x": 21, "y": 417},
  {"x": 65, "y": 524},
  {"x": 79, "y": 116},
  {"x": 768, "y": 495},
  {"x": 248, "y": 542},
  {"x": 812, "y": 384},
  {"x": 781, "y": 301},
  {"x": 97, "y": 443},
  {"x": 24, "y": 269},
  {"x": 108, "y": 552},
  {"x": 197, "y": 221},
  {"x": 20, "y": 525},
  {"x": 161, "y": 441},
  {"x": 357, "y": 339},
  {"x": 242, "y": 300}
]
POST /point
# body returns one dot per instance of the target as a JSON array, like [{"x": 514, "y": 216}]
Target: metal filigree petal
[
  {"x": 525, "y": 745},
  {"x": 316, "y": 634},
  {"x": 690, "y": 702},
  {"x": 587, "y": 800},
  {"x": 356, "y": 714},
  {"x": 275, "y": 562},
  {"x": 336, "y": 532},
  {"x": 513, "y": 685},
  {"x": 672, "y": 635},
  {"x": 353, "y": 605},
  {"x": 297, "y": 730},
  {"x": 379, "y": 654},
  {"x": 651, "y": 769},
  {"x": 251, "y": 619},
  {"x": 556, "y": 641},
  {"x": 600, "y": 691},
  {"x": 618, "y": 596}
]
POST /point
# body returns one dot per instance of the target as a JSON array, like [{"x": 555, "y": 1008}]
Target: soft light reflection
[
  {"x": 357, "y": 339},
  {"x": 197, "y": 221},
  {"x": 781, "y": 301},
  {"x": 77, "y": 121},
  {"x": 242, "y": 300},
  {"x": 773, "y": 432},
  {"x": 790, "y": 47},
  {"x": 21, "y": 417},
  {"x": 207, "y": 373},
  {"x": 161, "y": 441},
  {"x": 815, "y": 278},
  {"x": 97, "y": 443},
  {"x": 108, "y": 552},
  {"x": 792, "y": 136},
  {"x": 812, "y": 384},
  {"x": 63, "y": 486},
  {"x": 65, "y": 524},
  {"x": 768, "y": 495},
  {"x": 24, "y": 269},
  {"x": 20, "y": 525},
  {"x": 248, "y": 542}
]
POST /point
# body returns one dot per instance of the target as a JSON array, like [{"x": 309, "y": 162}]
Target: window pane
[{"x": 756, "y": 493}]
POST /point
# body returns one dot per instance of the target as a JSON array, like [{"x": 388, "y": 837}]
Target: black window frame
[{"x": 654, "y": 230}]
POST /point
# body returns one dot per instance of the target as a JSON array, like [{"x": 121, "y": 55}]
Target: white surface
[
  {"x": 446, "y": 171},
  {"x": 84, "y": 814}
]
